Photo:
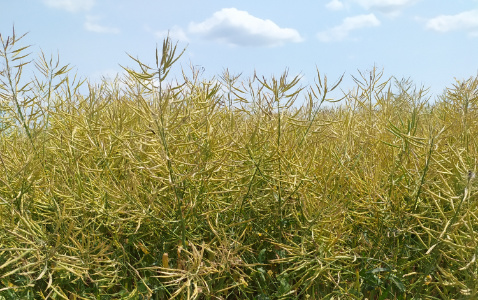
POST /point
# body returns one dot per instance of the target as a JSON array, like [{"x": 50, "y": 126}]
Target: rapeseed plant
[{"x": 221, "y": 189}]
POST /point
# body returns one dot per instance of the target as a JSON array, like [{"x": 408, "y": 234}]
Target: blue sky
[{"x": 432, "y": 42}]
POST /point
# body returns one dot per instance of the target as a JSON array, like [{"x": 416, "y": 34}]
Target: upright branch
[
  {"x": 10, "y": 77},
  {"x": 146, "y": 78}
]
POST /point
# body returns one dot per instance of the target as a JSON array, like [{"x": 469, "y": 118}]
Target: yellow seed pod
[
  {"x": 165, "y": 260},
  {"x": 143, "y": 248}
]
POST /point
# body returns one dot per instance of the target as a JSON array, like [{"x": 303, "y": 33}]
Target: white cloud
[
  {"x": 349, "y": 24},
  {"x": 91, "y": 24},
  {"x": 390, "y": 7},
  {"x": 71, "y": 5},
  {"x": 467, "y": 20},
  {"x": 175, "y": 33},
  {"x": 236, "y": 27},
  {"x": 335, "y": 5}
]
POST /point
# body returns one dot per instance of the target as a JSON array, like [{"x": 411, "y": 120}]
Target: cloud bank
[
  {"x": 348, "y": 25},
  {"x": 335, "y": 5},
  {"x": 467, "y": 20},
  {"x": 91, "y": 24},
  {"x": 239, "y": 28}
]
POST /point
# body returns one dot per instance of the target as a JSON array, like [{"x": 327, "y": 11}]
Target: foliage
[{"x": 220, "y": 189}]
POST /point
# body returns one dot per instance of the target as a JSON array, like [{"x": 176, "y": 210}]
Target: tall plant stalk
[{"x": 164, "y": 62}]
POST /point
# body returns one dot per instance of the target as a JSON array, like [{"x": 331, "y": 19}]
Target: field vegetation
[{"x": 229, "y": 188}]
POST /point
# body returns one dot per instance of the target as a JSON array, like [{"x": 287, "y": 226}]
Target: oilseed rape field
[{"x": 143, "y": 187}]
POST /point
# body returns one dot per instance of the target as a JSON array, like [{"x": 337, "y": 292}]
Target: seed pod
[{"x": 165, "y": 260}]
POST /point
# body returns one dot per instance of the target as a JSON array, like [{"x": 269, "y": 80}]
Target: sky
[{"x": 432, "y": 42}]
